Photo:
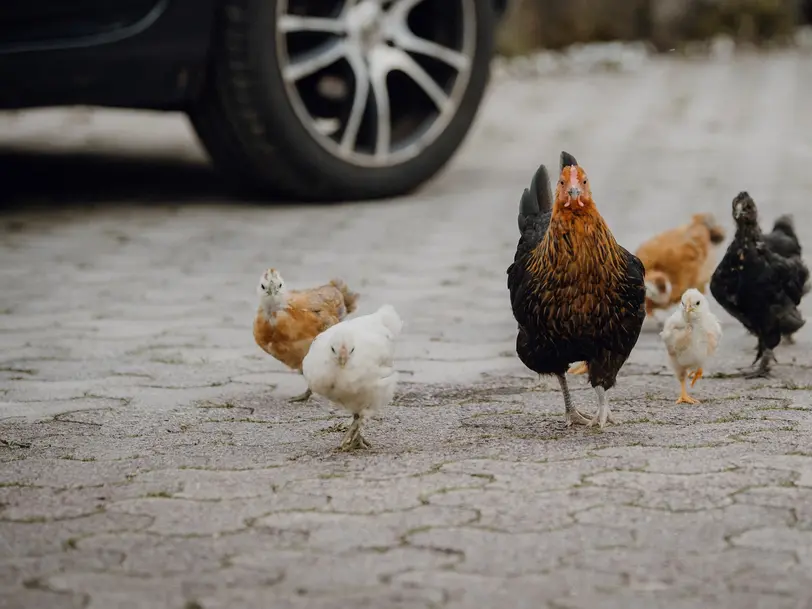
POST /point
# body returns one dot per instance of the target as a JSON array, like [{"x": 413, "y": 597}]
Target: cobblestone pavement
[{"x": 149, "y": 458}]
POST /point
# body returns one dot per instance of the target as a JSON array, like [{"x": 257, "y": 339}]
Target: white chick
[
  {"x": 352, "y": 364},
  {"x": 691, "y": 335}
]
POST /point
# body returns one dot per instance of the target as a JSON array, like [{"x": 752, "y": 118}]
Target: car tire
[{"x": 248, "y": 119}]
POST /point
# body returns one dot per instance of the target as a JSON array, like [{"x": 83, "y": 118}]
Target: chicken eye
[
  {"x": 352, "y": 350},
  {"x": 697, "y": 303},
  {"x": 561, "y": 182},
  {"x": 261, "y": 286},
  {"x": 584, "y": 181},
  {"x": 333, "y": 349}
]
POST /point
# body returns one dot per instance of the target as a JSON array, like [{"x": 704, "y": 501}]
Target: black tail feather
[
  {"x": 538, "y": 199},
  {"x": 786, "y": 224},
  {"x": 567, "y": 160},
  {"x": 790, "y": 321}
]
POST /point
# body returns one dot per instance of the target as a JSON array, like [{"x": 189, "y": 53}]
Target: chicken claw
[
  {"x": 574, "y": 417},
  {"x": 303, "y": 397},
  {"x": 353, "y": 440},
  {"x": 762, "y": 369},
  {"x": 579, "y": 368},
  {"x": 757, "y": 373},
  {"x": 684, "y": 398},
  {"x": 604, "y": 415}
]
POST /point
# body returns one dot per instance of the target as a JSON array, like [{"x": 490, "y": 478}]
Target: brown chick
[
  {"x": 287, "y": 321},
  {"x": 679, "y": 259}
]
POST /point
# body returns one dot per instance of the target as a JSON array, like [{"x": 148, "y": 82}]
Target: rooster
[
  {"x": 576, "y": 294},
  {"x": 287, "y": 321}
]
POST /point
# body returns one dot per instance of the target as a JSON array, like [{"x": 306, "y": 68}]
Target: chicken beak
[
  {"x": 651, "y": 291},
  {"x": 343, "y": 355},
  {"x": 575, "y": 196}
]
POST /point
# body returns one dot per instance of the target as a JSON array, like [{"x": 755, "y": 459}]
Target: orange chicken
[
  {"x": 679, "y": 259},
  {"x": 287, "y": 321}
]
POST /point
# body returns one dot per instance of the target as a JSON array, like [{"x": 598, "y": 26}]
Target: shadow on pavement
[{"x": 40, "y": 178}]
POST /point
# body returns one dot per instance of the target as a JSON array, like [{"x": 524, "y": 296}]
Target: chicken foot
[
  {"x": 695, "y": 376},
  {"x": 762, "y": 368},
  {"x": 684, "y": 398},
  {"x": 353, "y": 439},
  {"x": 603, "y": 415},
  {"x": 573, "y": 417},
  {"x": 302, "y": 397}
]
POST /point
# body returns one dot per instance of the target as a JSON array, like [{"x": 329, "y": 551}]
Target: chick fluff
[
  {"x": 691, "y": 335},
  {"x": 352, "y": 364}
]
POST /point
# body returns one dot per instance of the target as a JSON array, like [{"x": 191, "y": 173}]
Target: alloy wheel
[{"x": 375, "y": 81}]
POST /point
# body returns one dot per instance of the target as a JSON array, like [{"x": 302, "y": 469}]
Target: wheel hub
[{"x": 365, "y": 25}]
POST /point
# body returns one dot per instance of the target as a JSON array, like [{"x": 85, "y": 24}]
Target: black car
[{"x": 310, "y": 99}]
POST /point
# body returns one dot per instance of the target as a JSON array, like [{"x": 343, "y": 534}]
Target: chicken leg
[
  {"x": 573, "y": 417},
  {"x": 684, "y": 398},
  {"x": 302, "y": 397},
  {"x": 579, "y": 368},
  {"x": 353, "y": 439},
  {"x": 603, "y": 415}
]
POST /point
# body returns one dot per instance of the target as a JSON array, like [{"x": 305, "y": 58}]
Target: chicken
[
  {"x": 352, "y": 364},
  {"x": 576, "y": 294},
  {"x": 691, "y": 335},
  {"x": 678, "y": 259},
  {"x": 658, "y": 291},
  {"x": 783, "y": 240},
  {"x": 287, "y": 321},
  {"x": 758, "y": 286}
]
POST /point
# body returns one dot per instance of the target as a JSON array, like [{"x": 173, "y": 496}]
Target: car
[{"x": 315, "y": 100}]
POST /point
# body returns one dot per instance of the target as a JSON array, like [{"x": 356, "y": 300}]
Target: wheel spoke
[
  {"x": 359, "y": 102},
  {"x": 348, "y": 4},
  {"x": 315, "y": 61},
  {"x": 402, "y": 7},
  {"x": 297, "y": 23},
  {"x": 403, "y": 62},
  {"x": 379, "y": 68},
  {"x": 406, "y": 40}
]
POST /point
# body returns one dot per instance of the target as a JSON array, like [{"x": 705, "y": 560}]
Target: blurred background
[
  {"x": 387, "y": 143},
  {"x": 664, "y": 24},
  {"x": 672, "y": 106}
]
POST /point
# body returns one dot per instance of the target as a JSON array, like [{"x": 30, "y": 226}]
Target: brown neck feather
[{"x": 580, "y": 241}]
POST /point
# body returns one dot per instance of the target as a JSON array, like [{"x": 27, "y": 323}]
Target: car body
[{"x": 244, "y": 72}]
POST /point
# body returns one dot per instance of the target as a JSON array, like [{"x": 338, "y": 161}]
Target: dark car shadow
[{"x": 45, "y": 178}]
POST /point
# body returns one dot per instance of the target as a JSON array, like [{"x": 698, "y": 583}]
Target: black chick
[
  {"x": 759, "y": 286},
  {"x": 576, "y": 294}
]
